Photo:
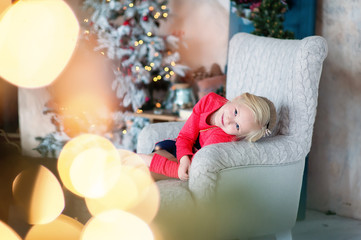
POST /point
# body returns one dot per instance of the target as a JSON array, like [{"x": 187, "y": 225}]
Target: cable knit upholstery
[{"x": 287, "y": 72}]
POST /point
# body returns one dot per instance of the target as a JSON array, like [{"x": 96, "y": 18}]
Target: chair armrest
[
  {"x": 212, "y": 159},
  {"x": 156, "y": 132},
  {"x": 269, "y": 192}
]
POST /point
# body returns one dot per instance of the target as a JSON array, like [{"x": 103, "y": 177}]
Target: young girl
[{"x": 214, "y": 120}]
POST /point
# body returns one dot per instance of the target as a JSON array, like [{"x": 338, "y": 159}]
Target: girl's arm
[
  {"x": 188, "y": 136},
  {"x": 218, "y": 136},
  {"x": 190, "y": 131}
]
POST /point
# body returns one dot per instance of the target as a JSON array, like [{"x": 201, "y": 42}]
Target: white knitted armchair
[{"x": 241, "y": 190}]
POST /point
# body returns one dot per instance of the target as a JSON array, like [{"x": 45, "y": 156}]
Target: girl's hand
[{"x": 184, "y": 164}]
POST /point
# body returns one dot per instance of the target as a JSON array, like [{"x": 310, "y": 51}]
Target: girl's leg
[
  {"x": 147, "y": 158},
  {"x": 167, "y": 159}
]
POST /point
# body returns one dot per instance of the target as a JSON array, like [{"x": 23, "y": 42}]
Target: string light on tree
[{"x": 127, "y": 33}]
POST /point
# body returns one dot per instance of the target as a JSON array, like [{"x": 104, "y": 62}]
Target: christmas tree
[
  {"x": 268, "y": 19},
  {"x": 127, "y": 32}
]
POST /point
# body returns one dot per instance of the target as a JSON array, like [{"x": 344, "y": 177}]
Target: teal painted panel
[{"x": 300, "y": 19}]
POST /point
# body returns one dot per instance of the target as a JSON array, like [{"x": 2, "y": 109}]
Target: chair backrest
[{"x": 287, "y": 72}]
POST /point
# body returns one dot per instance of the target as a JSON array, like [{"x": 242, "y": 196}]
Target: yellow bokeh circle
[
  {"x": 89, "y": 165},
  {"x": 61, "y": 228},
  {"x": 135, "y": 190},
  {"x": 39, "y": 194},
  {"x": 37, "y": 39},
  {"x": 8, "y": 233},
  {"x": 116, "y": 224}
]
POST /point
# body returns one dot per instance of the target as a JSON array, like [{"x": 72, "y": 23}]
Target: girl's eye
[
  {"x": 237, "y": 126},
  {"x": 235, "y": 112}
]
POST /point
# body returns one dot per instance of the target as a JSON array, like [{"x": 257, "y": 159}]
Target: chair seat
[{"x": 175, "y": 216}]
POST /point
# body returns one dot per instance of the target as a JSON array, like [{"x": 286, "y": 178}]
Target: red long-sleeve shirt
[{"x": 195, "y": 126}]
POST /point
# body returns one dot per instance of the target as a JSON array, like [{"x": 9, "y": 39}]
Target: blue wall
[{"x": 300, "y": 19}]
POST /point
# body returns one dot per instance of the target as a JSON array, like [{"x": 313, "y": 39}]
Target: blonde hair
[{"x": 264, "y": 112}]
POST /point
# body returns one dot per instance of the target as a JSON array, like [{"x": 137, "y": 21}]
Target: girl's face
[{"x": 236, "y": 118}]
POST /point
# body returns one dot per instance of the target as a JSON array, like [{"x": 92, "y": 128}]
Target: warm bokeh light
[
  {"x": 89, "y": 165},
  {"x": 86, "y": 113},
  {"x": 116, "y": 224},
  {"x": 135, "y": 191},
  {"x": 8, "y": 233},
  {"x": 148, "y": 203},
  {"x": 4, "y": 4},
  {"x": 62, "y": 228},
  {"x": 92, "y": 174},
  {"x": 37, "y": 39},
  {"x": 37, "y": 191},
  {"x": 123, "y": 196}
]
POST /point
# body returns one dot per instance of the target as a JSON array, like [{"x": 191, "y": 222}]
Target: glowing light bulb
[
  {"x": 149, "y": 34},
  {"x": 163, "y": 7},
  {"x": 165, "y": 15},
  {"x": 166, "y": 69},
  {"x": 30, "y": 35}
]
